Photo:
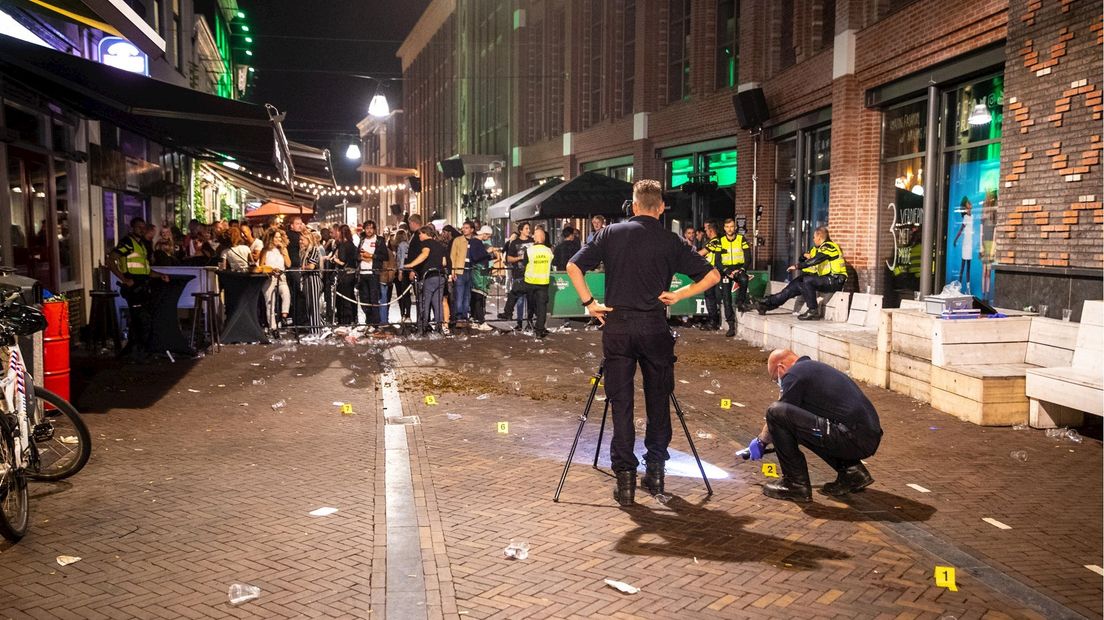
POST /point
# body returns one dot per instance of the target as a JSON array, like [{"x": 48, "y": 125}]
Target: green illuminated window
[
  {"x": 680, "y": 171},
  {"x": 722, "y": 165}
]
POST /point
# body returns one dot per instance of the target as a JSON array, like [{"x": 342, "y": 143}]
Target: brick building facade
[{"x": 939, "y": 140}]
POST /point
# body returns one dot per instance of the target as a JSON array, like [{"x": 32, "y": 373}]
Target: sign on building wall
[{"x": 122, "y": 54}]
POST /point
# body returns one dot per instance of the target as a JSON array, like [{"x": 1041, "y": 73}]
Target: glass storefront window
[
  {"x": 974, "y": 113},
  {"x": 723, "y": 167},
  {"x": 971, "y": 180},
  {"x": 781, "y": 239},
  {"x": 679, "y": 171},
  {"x": 901, "y": 190},
  {"x": 970, "y": 250},
  {"x": 66, "y": 220}
]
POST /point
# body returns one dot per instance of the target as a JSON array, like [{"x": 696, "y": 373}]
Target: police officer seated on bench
[
  {"x": 822, "y": 269},
  {"x": 822, "y": 409}
]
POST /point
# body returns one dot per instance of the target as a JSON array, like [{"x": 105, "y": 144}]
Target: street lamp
[
  {"x": 353, "y": 152},
  {"x": 378, "y": 107}
]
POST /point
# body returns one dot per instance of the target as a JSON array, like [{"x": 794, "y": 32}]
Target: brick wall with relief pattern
[{"x": 1050, "y": 199}]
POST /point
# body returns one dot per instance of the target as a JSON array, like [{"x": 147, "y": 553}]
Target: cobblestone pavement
[{"x": 193, "y": 492}]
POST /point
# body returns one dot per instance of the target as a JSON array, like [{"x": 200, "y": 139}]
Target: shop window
[
  {"x": 678, "y": 51},
  {"x": 782, "y": 232},
  {"x": 728, "y": 48},
  {"x": 722, "y": 167},
  {"x": 904, "y": 130},
  {"x": 679, "y": 171},
  {"x": 68, "y": 267},
  {"x": 28, "y": 127}
]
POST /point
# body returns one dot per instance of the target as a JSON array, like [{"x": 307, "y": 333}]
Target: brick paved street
[{"x": 188, "y": 492}]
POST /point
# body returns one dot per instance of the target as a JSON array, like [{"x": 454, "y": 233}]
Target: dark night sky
[{"x": 303, "y": 66}]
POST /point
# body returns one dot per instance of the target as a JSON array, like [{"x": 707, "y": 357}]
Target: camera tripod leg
[
  {"x": 686, "y": 429},
  {"x": 579, "y": 432},
  {"x": 601, "y": 431}
]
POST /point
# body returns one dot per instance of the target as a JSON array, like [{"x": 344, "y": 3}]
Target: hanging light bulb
[
  {"x": 378, "y": 106},
  {"x": 353, "y": 152},
  {"x": 489, "y": 183},
  {"x": 980, "y": 115}
]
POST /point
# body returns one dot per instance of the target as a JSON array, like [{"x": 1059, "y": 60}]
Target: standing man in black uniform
[
  {"x": 640, "y": 258},
  {"x": 822, "y": 409},
  {"x": 711, "y": 251}
]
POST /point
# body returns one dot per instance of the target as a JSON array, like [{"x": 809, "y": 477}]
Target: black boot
[
  {"x": 790, "y": 488},
  {"x": 653, "y": 478},
  {"x": 625, "y": 493},
  {"x": 731, "y": 330},
  {"x": 762, "y": 307},
  {"x": 809, "y": 315},
  {"x": 849, "y": 480}
]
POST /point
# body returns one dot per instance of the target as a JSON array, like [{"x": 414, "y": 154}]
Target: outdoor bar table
[
  {"x": 242, "y": 293},
  {"x": 165, "y": 333}
]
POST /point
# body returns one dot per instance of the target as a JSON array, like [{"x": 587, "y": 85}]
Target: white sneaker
[
  {"x": 445, "y": 330},
  {"x": 483, "y": 327}
]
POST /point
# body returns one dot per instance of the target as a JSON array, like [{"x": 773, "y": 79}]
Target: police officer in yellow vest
[
  {"x": 130, "y": 262},
  {"x": 538, "y": 273},
  {"x": 823, "y": 269},
  {"x": 728, "y": 251}
]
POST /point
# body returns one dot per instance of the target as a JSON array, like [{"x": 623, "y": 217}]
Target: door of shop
[{"x": 32, "y": 226}]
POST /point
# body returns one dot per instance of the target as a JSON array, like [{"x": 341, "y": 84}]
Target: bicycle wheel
[
  {"x": 61, "y": 439},
  {"x": 13, "y": 486}
]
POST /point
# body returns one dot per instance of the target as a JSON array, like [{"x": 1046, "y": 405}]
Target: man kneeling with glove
[{"x": 822, "y": 409}]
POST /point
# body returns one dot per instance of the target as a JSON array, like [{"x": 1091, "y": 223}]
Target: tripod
[{"x": 597, "y": 379}]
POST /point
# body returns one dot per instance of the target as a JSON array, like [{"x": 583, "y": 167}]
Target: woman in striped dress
[{"x": 312, "y": 278}]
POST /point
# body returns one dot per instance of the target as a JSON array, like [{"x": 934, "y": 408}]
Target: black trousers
[
  {"x": 724, "y": 290},
  {"x": 712, "y": 306},
  {"x": 630, "y": 339},
  {"x": 404, "y": 289},
  {"x": 478, "y": 306},
  {"x": 298, "y": 298},
  {"x": 810, "y": 285},
  {"x": 537, "y": 295},
  {"x": 791, "y": 426},
  {"x": 517, "y": 289},
  {"x": 346, "y": 310},
  {"x": 139, "y": 299},
  {"x": 368, "y": 291},
  {"x": 793, "y": 289}
]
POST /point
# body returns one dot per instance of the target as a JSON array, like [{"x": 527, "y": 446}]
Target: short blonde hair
[{"x": 649, "y": 193}]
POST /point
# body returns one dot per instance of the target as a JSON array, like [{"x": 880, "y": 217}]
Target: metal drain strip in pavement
[{"x": 405, "y": 588}]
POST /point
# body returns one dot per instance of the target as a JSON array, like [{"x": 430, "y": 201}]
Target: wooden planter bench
[{"x": 1061, "y": 393}]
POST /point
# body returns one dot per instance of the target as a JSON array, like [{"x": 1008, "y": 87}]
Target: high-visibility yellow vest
[
  {"x": 815, "y": 268},
  {"x": 137, "y": 262},
  {"x": 539, "y": 268},
  {"x": 732, "y": 252},
  {"x": 835, "y": 264}
]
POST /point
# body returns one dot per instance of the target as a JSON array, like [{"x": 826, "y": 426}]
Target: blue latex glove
[{"x": 754, "y": 451}]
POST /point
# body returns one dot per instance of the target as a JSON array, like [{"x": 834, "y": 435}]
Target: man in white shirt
[{"x": 373, "y": 251}]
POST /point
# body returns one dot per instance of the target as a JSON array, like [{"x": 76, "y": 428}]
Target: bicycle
[{"x": 30, "y": 446}]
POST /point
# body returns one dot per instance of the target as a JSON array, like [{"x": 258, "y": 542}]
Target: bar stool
[
  {"x": 207, "y": 303},
  {"x": 104, "y": 321}
]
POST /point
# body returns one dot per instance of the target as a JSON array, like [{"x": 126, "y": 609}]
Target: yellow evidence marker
[{"x": 945, "y": 578}]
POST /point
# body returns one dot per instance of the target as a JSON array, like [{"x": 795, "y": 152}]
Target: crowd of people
[{"x": 439, "y": 276}]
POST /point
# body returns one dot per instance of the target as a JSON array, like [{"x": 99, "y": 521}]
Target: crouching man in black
[{"x": 822, "y": 409}]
